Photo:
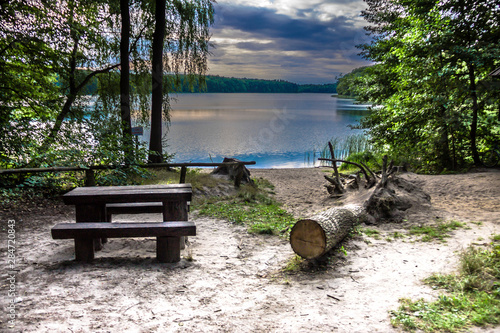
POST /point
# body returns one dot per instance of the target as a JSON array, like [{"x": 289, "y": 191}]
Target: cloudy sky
[{"x": 302, "y": 41}]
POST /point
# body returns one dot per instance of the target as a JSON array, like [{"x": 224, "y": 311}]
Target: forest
[{"x": 220, "y": 84}]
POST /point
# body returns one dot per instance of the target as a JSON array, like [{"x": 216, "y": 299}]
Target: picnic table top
[{"x": 96, "y": 195}]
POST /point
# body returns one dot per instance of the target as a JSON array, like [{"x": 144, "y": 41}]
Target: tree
[
  {"x": 81, "y": 42},
  {"x": 347, "y": 83},
  {"x": 155, "y": 144},
  {"x": 431, "y": 57},
  {"x": 125, "y": 80},
  {"x": 46, "y": 62},
  {"x": 27, "y": 86},
  {"x": 47, "y": 69},
  {"x": 182, "y": 37}
]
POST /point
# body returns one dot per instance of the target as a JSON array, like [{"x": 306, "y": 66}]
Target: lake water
[{"x": 275, "y": 130}]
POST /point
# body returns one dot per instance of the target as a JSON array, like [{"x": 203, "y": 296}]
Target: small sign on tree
[{"x": 137, "y": 130}]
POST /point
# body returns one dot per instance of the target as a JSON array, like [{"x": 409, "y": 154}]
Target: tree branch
[
  {"x": 94, "y": 73},
  {"x": 353, "y": 163}
]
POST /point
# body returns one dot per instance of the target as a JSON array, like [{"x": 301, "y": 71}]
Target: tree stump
[
  {"x": 313, "y": 237},
  {"x": 237, "y": 172}
]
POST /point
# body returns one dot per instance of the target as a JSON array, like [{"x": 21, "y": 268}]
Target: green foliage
[
  {"x": 130, "y": 175},
  {"x": 342, "y": 147},
  {"x": 220, "y": 84},
  {"x": 347, "y": 84},
  {"x": 367, "y": 158},
  {"x": 294, "y": 264},
  {"x": 473, "y": 296},
  {"x": 434, "y": 101},
  {"x": 48, "y": 70},
  {"x": 253, "y": 206},
  {"x": 426, "y": 233},
  {"x": 374, "y": 233}
]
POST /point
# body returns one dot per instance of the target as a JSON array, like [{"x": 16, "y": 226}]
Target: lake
[{"x": 275, "y": 130}]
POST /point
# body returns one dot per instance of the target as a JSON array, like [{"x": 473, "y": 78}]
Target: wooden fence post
[
  {"x": 183, "y": 175},
  {"x": 89, "y": 177}
]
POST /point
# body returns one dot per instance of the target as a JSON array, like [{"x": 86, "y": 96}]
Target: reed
[{"x": 342, "y": 147}]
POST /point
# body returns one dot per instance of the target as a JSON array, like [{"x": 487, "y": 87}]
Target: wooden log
[{"x": 313, "y": 237}]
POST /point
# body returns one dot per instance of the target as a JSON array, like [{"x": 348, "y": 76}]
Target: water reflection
[{"x": 276, "y": 130}]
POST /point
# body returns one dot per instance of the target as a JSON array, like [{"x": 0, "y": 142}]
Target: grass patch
[
  {"x": 427, "y": 233},
  {"x": 374, "y": 233},
  {"x": 472, "y": 298},
  {"x": 294, "y": 264},
  {"x": 253, "y": 206},
  {"x": 438, "y": 231},
  {"x": 395, "y": 235}
]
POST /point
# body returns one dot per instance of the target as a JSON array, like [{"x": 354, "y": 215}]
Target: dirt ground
[{"x": 232, "y": 281}]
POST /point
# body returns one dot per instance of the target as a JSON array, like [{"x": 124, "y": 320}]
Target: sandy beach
[{"x": 232, "y": 281}]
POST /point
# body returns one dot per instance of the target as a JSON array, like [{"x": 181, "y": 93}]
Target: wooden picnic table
[{"x": 90, "y": 202}]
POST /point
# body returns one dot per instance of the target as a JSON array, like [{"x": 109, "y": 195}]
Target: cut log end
[
  {"x": 308, "y": 239},
  {"x": 313, "y": 237}
]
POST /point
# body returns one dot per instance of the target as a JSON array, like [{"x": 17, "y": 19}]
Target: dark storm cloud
[
  {"x": 258, "y": 41},
  {"x": 289, "y": 34}
]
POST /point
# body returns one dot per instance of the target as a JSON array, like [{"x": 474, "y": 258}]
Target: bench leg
[
  {"x": 176, "y": 211},
  {"x": 168, "y": 249},
  {"x": 84, "y": 249},
  {"x": 92, "y": 213}
]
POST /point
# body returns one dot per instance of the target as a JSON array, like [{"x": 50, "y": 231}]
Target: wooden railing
[{"x": 90, "y": 176}]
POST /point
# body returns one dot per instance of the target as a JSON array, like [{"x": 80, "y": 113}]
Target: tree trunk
[
  {"x": 155, "y": 146},
  {"x": 125, "y": 83},
  {"x": 475, "y": 111},
  {"x": 313, "y": 237},
  {"x": 446, "y": 161}
]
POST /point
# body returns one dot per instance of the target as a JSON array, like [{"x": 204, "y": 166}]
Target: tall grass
[
  {"x": 342, "y": 147},
  {"x": 471, "y": 297}
]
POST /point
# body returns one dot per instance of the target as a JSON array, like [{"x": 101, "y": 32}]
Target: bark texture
[{"x": 313, "y": 237}]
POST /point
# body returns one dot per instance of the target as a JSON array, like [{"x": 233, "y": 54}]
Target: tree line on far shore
[{"x": 221, "y": 84}]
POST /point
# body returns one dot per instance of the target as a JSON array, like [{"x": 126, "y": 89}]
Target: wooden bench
[
  {"x": 138, "y": 208},
  {"x": 168, "y": 236},
  {"x": 134, "y": 208}
]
